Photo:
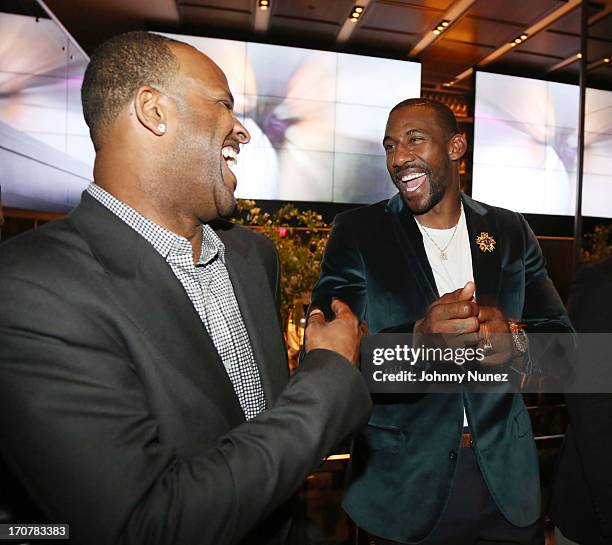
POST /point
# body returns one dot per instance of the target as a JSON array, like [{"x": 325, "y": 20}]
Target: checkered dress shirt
[{"x": 209, "y": 288}]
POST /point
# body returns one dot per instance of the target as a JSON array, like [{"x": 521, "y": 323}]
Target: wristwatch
[{"x": 519, "y": 337}]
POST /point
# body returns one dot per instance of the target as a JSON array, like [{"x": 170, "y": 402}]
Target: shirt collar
[
  {"x": 211, "y": 246},
  {"x": 165, "y": 242}
]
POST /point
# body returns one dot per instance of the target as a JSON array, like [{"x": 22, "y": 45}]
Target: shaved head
[
  {"x": 117, "y": 69},
  {"x": 445, "y": 114}
]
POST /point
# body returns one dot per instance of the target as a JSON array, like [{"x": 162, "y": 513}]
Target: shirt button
[{"x": 452, "y": 455}]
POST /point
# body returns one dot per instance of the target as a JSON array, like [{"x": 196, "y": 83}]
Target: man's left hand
[{"x": 494, "y": 336}]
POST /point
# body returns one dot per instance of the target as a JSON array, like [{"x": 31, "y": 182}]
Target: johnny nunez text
[{"x": 436, "y": 376}]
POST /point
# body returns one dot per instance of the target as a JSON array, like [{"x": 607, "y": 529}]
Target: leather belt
[{"x": 466, "y": 440}]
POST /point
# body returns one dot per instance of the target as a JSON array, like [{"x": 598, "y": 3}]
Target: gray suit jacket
[{"x": 116, "y": 413}]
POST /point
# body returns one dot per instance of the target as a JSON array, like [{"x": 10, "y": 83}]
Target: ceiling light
[
  {"x": 607, "y": 59},
  {"x": 441, "y": 27},
  {"x": 579, "y": 55},
  {"x": 264, "y": 4},
  {"x": 356, "y": 14},
  {"x": 519, "y": 40},
  {"x": 512, "y": 44}
]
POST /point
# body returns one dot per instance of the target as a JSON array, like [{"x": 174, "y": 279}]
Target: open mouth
[
  {"x": 412, "y": 181},
  {"x": 230, "y": 155}
]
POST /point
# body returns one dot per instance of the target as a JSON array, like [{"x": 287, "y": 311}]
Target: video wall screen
[
  {"x": 316, "y": 119},
  {"x": 525, "y": 146},
  {"x": 46, "y": 156}
]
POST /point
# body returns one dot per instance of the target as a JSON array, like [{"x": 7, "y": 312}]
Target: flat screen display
[
  {"x": 46, "y": 156},
  {"x": 525, "y": 146},
  {"x": 316, "y": 118}
]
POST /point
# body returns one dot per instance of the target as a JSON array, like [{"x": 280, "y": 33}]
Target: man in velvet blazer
[
  {"x": 404, "y": 468},
  {"x": 117, "y": 414}
]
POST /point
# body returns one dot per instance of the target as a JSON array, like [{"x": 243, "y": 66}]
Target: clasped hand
[
  {"x": 342, "y": 334},
  {"x": 457, "y": 320}
]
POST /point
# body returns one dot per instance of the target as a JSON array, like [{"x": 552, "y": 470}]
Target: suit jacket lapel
[
  {"x": 140, "y": 281},
  {"x": 259, "y": 313},
  {"x": 410, "y": 241},
  {"x": 486, "y": 265}
]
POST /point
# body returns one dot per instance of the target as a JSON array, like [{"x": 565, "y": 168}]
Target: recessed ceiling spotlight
[
  {"x": 519, "y": 40},
  {"x": 579, "y": 55},
  {"x": 441, "y": 27},
  {"x": 607, "y": 59},
  {"x": 356, "y": 14},
  {"x": 264, "y": 4}
]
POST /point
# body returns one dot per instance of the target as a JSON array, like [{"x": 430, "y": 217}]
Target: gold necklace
[{"x": 442, "y": 251}]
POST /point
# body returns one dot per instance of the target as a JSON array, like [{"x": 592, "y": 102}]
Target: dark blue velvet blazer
[{"x": 404, "y": 462}]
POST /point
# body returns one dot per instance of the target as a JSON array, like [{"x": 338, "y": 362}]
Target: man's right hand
[
  {"x": 341, "y": 334},
  {"x": 453, "y": 314}
]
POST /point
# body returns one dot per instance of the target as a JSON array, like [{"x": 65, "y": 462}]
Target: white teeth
[
  {"x": 412, "y": 176},
  {"x": 411, "y": 189},
  {"x": 230, "y": 155}
]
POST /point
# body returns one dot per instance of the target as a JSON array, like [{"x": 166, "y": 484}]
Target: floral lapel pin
[{"x": 485, "y": 242}]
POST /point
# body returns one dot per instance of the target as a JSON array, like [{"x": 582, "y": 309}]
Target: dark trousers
[{"x": 471, "y": 516}]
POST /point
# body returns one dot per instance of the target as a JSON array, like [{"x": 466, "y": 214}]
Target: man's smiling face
[
  {"x": 208, "y": 137},
  {"x": 418, "y": 160}
]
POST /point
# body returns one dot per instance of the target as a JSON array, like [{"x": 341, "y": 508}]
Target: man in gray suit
[{"x": 144, "y": 389}]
